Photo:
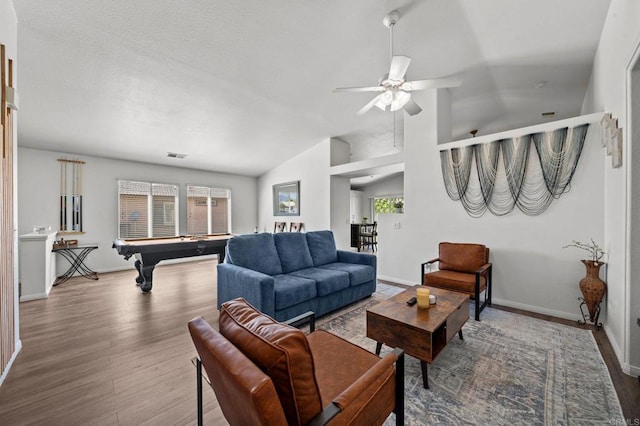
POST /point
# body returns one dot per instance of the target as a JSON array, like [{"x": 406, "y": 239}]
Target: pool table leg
[
  {"x": 145, "y": 276},
  {"x": 139, "y": 279}
]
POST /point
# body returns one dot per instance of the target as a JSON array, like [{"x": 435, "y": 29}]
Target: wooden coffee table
[{"x": 421, "y": 333}]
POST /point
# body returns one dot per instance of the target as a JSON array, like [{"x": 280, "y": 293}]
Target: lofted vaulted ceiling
[{"x": 240, "y": 86}]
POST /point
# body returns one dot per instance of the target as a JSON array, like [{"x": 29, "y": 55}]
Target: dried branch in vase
[{"x": 595, "y": 252}]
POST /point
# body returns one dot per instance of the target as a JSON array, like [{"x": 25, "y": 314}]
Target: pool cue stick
[
  {"x": 73, "y": 199},
  {"x": 80, "y": 171},
  {"x": 65, "y": 196},
  {"x": 75, "y": 191},
  {"x": 61, "y": 192},
  {"x": 73, "y": 196},
  {"x": 77, "y": 209}
]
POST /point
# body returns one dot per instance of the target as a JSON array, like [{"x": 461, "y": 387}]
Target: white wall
[
  {"x": 531, "y": 270},
  {"x": 9, "y": 37},
  {"x": 340, "y": 210},
  {"x": 340, "y": 198},
  {"x": 355, "y": 215},
  {"x": 39, "y": 189},
  {"x": 320, "y": 206},
  {"x": 607, "y": 92},
  {"x": 311, "y": 168}
]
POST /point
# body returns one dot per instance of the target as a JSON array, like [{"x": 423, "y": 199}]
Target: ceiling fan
[{"x": 394, "y": 90}]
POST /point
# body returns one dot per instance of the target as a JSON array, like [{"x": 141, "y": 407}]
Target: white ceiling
[{"x": 240, "y": 86}]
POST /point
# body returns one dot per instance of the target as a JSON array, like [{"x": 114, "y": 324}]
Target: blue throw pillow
[
  {"x": 255, "y": 251},
  {"x": 293, "y": 250},
  {"x": 322, "y": 247}
]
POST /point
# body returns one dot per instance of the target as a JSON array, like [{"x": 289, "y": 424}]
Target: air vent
[
  {"x": 549, "y": 114},
  {"x": 175, "y": 155}
]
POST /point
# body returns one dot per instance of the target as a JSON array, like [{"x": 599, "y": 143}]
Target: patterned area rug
[{"x": 508, "y": 370}]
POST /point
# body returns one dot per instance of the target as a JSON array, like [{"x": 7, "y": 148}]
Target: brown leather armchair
[
  {"x": 462, "y": 267},
  {"x": 268, "y": 373}
]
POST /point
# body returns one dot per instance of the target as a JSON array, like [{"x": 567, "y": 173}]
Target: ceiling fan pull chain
[{"x": 391, "y": 42}]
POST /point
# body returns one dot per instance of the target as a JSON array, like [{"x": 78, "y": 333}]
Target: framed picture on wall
[{"x": 286, "y": 199}]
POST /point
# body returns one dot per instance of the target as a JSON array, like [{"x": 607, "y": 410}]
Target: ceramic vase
[{"x": 592, "y": 287}]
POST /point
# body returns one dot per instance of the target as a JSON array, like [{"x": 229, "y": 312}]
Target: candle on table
[{"x": 422, "y": 294}]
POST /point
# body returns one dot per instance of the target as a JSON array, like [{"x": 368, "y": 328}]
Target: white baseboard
[
  {"x": 10, "y": 363},
  {"x": 631, "y": 370},
  {"x": 536, "y": 309},
  {"x": 397, "y": 280},
  {"x": 36, "y": 296}
]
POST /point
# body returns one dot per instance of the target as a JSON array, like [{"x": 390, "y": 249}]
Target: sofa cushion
[
  {"x": 462, "y": 257},
  {"x": 358, "y": 274},
  {"x": 293, "y": 251},
  {"x": 322, "y": 247},
  {"x": 255, "y": 251},
  {"x": 290, "y": 290},
  {"x": 327, "y": 281},
  {"x": 281, "y": 351}
]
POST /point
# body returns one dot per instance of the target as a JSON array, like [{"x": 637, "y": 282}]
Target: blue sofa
[{"x": 289, "y": 273}]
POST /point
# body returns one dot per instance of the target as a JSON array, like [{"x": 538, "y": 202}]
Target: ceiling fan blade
[
  {"x": 435, "y": 83},
  {"x": 412, "y": 107},
  {"x": 359, "y": 89},
  {"x": 368, "y": 106},
  {"x": 398, "y": 69}
]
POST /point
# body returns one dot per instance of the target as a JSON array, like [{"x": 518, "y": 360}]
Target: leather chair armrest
[
  {"x": 328, "y": 413},
  {"x": 363, "y": 382},
  {"x": 307, "y": 317},
  {"x": 484, "y": 268},
  {"x": 366, "y": 380},
  {"x": 428, "y": 264}
]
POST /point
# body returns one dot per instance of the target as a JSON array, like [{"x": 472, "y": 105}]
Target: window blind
[
  {"x": 147, "y": 209},
  {"x": 207, "y": 210}
]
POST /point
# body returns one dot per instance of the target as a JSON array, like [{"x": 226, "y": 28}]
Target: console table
[{"x": 76, "y": 255}]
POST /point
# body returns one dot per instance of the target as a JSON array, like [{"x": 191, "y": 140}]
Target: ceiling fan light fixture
[
  {"x": 394, "y": 90},
  {"x": 384, "y": 100},
  {"x": 400, "y": 99}
]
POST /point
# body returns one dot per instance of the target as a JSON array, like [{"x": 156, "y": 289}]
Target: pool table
[{"x": 150, "y": 251}]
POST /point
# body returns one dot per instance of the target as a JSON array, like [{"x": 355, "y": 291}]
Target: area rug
[{"x": 509, "y": 370}]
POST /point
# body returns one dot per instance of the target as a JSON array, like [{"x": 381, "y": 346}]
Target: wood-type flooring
[{"x": 102, "y": 353}]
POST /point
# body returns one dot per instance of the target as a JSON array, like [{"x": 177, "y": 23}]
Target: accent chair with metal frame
[
  {"x": 462, "y": 267},
  {"x": 264, "y": 372}
]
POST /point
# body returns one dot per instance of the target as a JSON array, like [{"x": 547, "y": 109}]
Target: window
[
  {"x": 147, "y": 209},
  {"x": 393, "y": 204},
  {"x": 208, "y": 210}
]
